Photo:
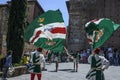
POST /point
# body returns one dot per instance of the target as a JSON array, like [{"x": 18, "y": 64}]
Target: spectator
[
  {"x": 84, "y": 56},
  {"x": 7, "y": 64},
  {"x": 26, "y": 60},
  {"x": 115, "y": 57},
  {"x": 110, "y": 56}
]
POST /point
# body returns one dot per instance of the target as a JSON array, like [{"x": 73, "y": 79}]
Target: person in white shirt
[
  {"x": 37, "y": 59},
  {"x": 98, "y": 65}
]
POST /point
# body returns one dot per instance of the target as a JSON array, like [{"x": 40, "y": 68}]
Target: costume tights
[{"x": 38, "y": 76}]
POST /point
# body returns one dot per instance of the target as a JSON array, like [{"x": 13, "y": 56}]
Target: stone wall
[
  {"x": 33, "y": 8},
  {"x": 18, "y": 71},
  {"x": 82, "y": 11}
]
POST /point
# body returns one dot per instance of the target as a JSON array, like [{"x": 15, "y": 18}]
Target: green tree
[{"x": 16, "y": 25}]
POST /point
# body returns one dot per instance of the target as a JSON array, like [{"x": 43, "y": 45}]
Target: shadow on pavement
[{"x": 66, "y": 70}]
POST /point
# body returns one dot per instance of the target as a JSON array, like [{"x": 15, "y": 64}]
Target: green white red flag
[
  {"x": 47, "y": 31},
  {"x": 99, "y": 31}
]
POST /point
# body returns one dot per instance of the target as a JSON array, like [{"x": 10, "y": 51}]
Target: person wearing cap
[
  {"x": 98, "y": 65},
  {"x": 36, "y": 59}
]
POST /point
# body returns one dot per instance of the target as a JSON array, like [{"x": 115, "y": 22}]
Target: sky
[{"x": 52, "y": 5}]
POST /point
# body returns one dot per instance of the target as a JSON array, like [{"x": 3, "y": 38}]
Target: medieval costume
[
  {"x": 57, "y": 60},
  {"x": 76, "y": 60},
  {"x": 36, "y": 59},
  {"x": 98, "y": 65}
]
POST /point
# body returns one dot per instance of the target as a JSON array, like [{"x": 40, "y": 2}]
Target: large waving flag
[
  {"x": 47, "y": 31},
  {"x": 99, "y": 31}
]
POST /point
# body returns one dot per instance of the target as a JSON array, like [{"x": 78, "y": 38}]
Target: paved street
[{"x": 66, "y": 73}]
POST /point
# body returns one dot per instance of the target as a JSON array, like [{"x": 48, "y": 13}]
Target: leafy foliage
[{"x": 16, "y": 25}]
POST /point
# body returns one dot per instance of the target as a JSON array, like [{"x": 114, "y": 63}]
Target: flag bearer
[
  {"x": 98, "y": 65},
  {"x": 36, "y": 59}
]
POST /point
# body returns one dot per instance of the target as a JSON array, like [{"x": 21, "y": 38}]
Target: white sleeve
[
  {"x": 89, "y": 59},
  {"x": 31, "y": 56},
  {"x": 43, "y": 58},
  {"x": 105, "y": 62}
]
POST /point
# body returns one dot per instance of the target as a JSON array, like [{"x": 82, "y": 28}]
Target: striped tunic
[
  {"x": 36, "y": 58},
  {"x": 98, "y": 64}
]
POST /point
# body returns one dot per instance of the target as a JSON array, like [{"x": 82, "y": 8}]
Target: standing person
[
  {"x": 36, "y": 59},
  {"x": 50, "y": 57},
  {"x": 118, "y": 56},
  {"x": 84, "y": 56},
  {"x": 76, "y": 60},
  {"x": 98, "y": 65},
  {"x": 110, "y": 56},
  {"x": 7, "y": 64},
  {"x": 26, "y": 59},
  {"x": 56, "y": 59},
  {"x": 115, "y": 57}
]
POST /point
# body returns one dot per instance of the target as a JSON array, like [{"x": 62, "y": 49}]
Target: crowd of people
[
  {"x": 31, "y": 59},
  {"x": 112, "y": 54}
]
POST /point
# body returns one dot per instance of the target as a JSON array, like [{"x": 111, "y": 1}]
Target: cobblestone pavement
[{"x": 66, "y": 72}]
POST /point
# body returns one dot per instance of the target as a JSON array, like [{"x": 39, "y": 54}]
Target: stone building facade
[
  {"x": 34, "y": 9},
  {"x": 82, "y": 11}
]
